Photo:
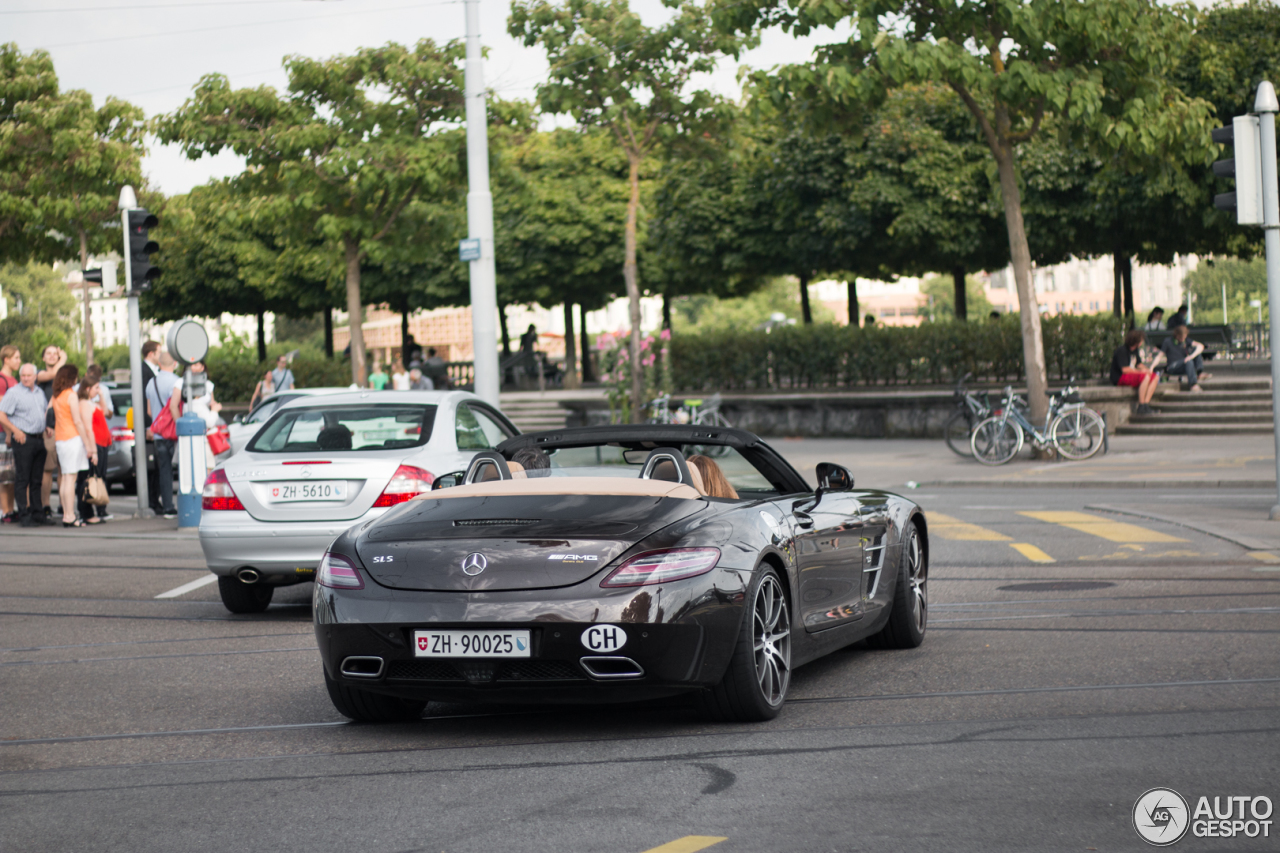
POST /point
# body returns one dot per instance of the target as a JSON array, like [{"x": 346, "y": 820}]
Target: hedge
[{"x": 831, "y": 356}]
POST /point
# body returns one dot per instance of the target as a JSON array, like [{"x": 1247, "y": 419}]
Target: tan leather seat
[{"x": 517, "y": 471}]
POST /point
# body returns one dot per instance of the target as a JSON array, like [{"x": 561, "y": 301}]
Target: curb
[
  {"x": 1106, "y": 484},
  {"x": 1246, "y": 542}
]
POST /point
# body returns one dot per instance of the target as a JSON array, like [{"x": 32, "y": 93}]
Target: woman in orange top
[{"x": 73, "y": 439}]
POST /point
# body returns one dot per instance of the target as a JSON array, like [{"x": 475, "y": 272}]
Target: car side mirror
[
  {"x": 834, "y": 478},
  {"x": 448, "y": 481},
  {"x": 238, "y": 419}
]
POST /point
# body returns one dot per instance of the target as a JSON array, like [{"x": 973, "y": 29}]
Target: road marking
[
  {"x": 187, "y": 587},
  {"x": 1264, "y": 556},
  {"x": 1096, "y": 525},
  {"x": 1031, "y": 552},
  {"x": 948, "y": 527},
  {"x": 688, "y": 844}
]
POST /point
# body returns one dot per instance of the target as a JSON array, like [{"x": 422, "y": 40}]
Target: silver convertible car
[{"x": 319, "y": 465}]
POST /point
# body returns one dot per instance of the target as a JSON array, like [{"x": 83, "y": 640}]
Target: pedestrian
[
  {"x": 264, "y": 389},
  {"x": 150, "y": 366},
  {"x": 54, "y": 359},
  {"x": 399, "y": 376},
  {"x": 378, "y": 380},
  {"x": 1155, "y": 320},
  {"x": 73, "y": 440},
  {"x": 104, "y": 409},
  {"x": 1179, "y": 317},
  {"x": 201, "y": 394},
  {"x": 1128, "y": 371},
  {"x": 10, "y": 364},
  {"x": 1184, "y": 356},
  {"x": 418, "y": 382},
  {"x": 436, "y": 369},
  {"x": 869, "y": 320},
  {"x": 22, "y": 418},
  {"x": 282, "y": 376},
  {"x": 91, "y": 415},
  {"x": 164, "y": 390},
  {"x": 410, "y": 352}
]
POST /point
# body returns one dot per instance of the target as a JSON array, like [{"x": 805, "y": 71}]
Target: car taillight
[
  {"x": 338, "y": 572},
  {"x": 120, "y": 434},
  {"x": 218, "y": 493},
  {"x": 407, "y": 482},
  {"x": 671, "y": 564}
]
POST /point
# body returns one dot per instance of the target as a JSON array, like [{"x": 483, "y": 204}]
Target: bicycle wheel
[
  {"x": 1077, "y": 434},
  {"x": 957, "y": 431},
  {"x": 995, "y": 441}
]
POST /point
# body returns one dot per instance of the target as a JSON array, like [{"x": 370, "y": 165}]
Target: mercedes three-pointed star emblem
[{"x": 474, "y": 564}]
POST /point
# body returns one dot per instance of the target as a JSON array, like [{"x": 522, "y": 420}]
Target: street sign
[
  {"x": 187, "y": 341},
  {"x": 469, "y": 250}
]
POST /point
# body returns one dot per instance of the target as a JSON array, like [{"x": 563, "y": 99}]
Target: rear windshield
[
  {"x": 368, "y": 426},
  {"x": 613, "y": 461}
]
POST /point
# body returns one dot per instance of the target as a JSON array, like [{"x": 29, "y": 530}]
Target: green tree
[
  {"x": 41, "y": 310},
  {"x": 609, "y": 70},
  {"x": 1245, "y": 282},
  {"x": 28, "y": 85},
  {"x": 350, "y": 152},
  {"x": 1101, "y": 67},
  {"x": 942, "y": 298}
]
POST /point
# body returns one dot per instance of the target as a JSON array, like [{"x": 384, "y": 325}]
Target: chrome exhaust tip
[
  {"x": 248, "y": 576},
  {"x": 362, "y": 666},
  {"x": 609, "y": 666}
]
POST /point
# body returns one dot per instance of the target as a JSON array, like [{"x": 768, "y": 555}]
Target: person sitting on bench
[
  {"x": 1185, "y": 357},
  {"x": 1127, "y": 370}
]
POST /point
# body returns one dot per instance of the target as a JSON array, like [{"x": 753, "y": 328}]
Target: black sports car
[{"x": 604, "y": 569}]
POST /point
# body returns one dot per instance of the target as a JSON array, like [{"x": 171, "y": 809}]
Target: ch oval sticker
[{"x": 604, "y": 638}]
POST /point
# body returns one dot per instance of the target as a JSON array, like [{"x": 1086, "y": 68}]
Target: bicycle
[
  {"x": 695, "y": 411},
  {"x": 1071, "y": 428},
  {"x": 970, "y": 409}
]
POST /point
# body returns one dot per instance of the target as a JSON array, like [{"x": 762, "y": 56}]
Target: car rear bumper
[
  {"x": 682, "y": 644},
  {"x": 282, "y": 552}
]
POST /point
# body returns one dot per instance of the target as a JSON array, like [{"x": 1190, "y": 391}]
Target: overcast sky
[{"x": 151, "y": 53}]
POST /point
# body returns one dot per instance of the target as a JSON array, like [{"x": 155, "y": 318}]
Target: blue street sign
[{"x": 469, "y": 250}]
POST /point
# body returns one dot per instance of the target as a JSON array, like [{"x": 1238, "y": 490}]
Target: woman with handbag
[
  {"x": 91, "y": 484},
  {"x": 73, "y": 440}
]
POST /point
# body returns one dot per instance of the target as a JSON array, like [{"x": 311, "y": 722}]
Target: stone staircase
[
  {"x": 1232, "y": 404},
  {"x": 533, "y": 414}
]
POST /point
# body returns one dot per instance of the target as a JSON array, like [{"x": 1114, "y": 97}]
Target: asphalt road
[{"x": 1075, "y": 659}]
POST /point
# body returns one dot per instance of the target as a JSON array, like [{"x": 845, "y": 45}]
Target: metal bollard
[{"x": 191, "y": 468}]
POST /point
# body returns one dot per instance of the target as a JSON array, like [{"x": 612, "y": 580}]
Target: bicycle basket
[{"x": 1072, "y": 397}]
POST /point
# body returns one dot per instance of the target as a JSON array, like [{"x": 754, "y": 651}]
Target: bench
[{"x": 1217, "y": 340}]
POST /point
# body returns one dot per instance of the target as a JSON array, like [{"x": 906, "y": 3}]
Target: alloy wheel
[{"x": 771, "y": 631}]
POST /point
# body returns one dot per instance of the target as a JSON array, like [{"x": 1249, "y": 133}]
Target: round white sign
[{"x": 603, "y": 639}]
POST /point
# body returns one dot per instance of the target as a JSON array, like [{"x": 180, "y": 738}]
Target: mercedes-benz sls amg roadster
[{"x": 607, "y": 564}]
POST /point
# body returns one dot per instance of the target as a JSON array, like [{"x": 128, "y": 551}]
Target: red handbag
[
  {"x": 218, "y": 442},
  {"x": 164, "y": 425}
]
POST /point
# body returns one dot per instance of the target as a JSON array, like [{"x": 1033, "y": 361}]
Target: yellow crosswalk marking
[
  {"x": 1031, "y": 552},
  {"x": 1264, "y": 556},
  {"x": 946, "y": 527},
  {"x": 1097, "y": 525},
  {"x": 688, "y": 844}
]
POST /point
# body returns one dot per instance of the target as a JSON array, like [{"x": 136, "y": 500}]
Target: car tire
[
  {"x": 239, "y": 597},
  {"x": 909, "y": 612},
  {"x": 754, "y": 687},
  {"x": 364, "y": 706}
]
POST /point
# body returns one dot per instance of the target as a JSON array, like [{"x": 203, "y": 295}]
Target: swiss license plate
[
  {"x": 320, "y": 490},
  {"x": 471, "y": 644}
]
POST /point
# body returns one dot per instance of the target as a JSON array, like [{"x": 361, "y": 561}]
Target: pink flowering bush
[{"x": 615, "y": 370}]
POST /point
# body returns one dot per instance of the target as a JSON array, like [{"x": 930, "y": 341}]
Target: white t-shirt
[{"x": 400, "y": 381}]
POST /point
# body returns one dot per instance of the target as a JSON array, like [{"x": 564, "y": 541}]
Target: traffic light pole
[
  {"x": 129, "y": 202},
  {"x": 1266, "y": 106},
  {"x": 484, "y": 294}
]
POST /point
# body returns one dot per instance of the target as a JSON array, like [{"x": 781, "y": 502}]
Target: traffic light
[
  {"x": 106, "y": 276},
  {"x": 1245, "y": 168},
  {"x": 141, "y": 248}
]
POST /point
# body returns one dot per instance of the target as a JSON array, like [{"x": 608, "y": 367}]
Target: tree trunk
[
  {"x": 666, "y": 311},
  {"x": 328, "y": 333},
  {"x": 962, "y": 300},
  {"x": 570, "y": 349},
  {"x": 588, "y": 373},
  {"x": 1128, "y": 290},
  {"x": 262, "y": 336},
  {"x": 630, "y": 275},
  {"x": 404, "y": 329},
  {"x": 1028, "y": 307},
  {"x": 1117, "y": 283},
  {"x": 805, "y": 311},
  {"x": 506, "y": 334},
  {"x": 853, "y": 302},
  {"x": 88, "y": 310},
  {"x": 355, "y": 312}
]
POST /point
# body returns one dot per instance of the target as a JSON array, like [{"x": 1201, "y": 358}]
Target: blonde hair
[{"x": 714, "y": 482}]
